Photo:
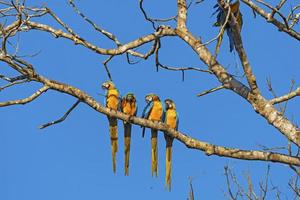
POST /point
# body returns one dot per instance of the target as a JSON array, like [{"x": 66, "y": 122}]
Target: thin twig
[
  {"x": 181, "y": 69},
  {"x": 12, "y": 84},
  {"x": 286, "y": 97},
  {"x": 106, "y": 67},
  {"x": 152, "y": 21},
  {"x": 291, "y": 89},
  {"x": 101, "y": 30},
  {"x": 211, "y": 90},
  {"x": 278, "y": 7},
  {"x": 191, "y": 193},
  {"x": 275, "y": 10},
  {"x": 62, "y": 118}
]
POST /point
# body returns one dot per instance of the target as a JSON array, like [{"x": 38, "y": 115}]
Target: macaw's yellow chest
[
  {"x": 156, "y": 111},
  {"x": 112, "y": 99},
  {"x": 129, "y": 108},
  {"x": 171, "y": 118}
]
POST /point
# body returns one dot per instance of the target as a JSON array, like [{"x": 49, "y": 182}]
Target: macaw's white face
[
  {"x": 169, "y": 104},
  {"x": 149, "y": 98},
  {"x": 107, "y": 85},
  {"x": 130, "y": 97}
]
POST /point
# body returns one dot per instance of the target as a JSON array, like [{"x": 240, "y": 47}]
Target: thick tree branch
[
  {"x": 182, "y": 14},
  {"x": 208, "y": 148},
  {"x": 259, "y": 103},
  {"x": 241, "y": 51}
]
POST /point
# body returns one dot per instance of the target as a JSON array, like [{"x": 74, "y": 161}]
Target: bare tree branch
[
  {"x": 241, "y": 51},
  {"x": 161, "y": 32},
  {"x": 191, "y": 193},
  {"x": 181, "y": 69},
  {"x": 12, "y": 84},
  {"x": 106, "y": 67},
  {"x": 259, "y": 103},
  {"x": 270, "y": 19},
  {"x": 25, "y": 100},
  {"x": 251, "y": 94},
  {"x": 101, "y": 30},
  {"x": 62, "y": 118},
  {"x": 208, "y": 148},
  {"x": 286, "y": 97},
  {"x": 210, "y": 91}
]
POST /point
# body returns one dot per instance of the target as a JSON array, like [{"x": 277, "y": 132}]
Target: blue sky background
[{"x": 72, "y": 160}]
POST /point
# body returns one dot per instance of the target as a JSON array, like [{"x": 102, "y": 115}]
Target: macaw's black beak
[
  {"x": 167, "y": 106},
  {"x": 129, "y": 98}
]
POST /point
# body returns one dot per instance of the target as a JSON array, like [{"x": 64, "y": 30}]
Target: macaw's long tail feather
[
  {"x": 127, "y": 136},
  {"x": 113, "y": 130},
  {"x": 231, "y": 41},
  {"x": 169, "y": 142},
  {"x": 154, "y": 152}
]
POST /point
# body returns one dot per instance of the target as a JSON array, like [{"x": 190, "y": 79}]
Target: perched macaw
[
  {"x": 172, "y": 120},
  {"x": 153, "y": 111},
  {"x": 112, "y": 102},
  {"x": 221, "y": 18},
  {"x": 129, "y": 107}
]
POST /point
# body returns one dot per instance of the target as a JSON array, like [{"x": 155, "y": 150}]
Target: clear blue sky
[{"x": 72, "y": 160}]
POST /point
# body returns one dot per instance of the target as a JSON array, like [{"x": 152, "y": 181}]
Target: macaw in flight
[
  {"x": 112, "y": 102},
  {"x": 129, "y": 107},
  {"x": 221, "y": 18},
  {"x": 153, "y": 111},
  {"x": 171, "y": 119}
]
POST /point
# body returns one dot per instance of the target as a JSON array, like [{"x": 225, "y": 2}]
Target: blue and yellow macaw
[
  {"x": 171, "y": 119},
  {"x": 221, "y": 18},
  {"x": 129, "y": 107},
  {"x": 153, "y": 111},
  {"x": 112, "y": 102}
]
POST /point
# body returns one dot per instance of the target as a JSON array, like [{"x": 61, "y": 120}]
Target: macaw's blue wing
[
  {"x": 136, "y": 110},
  {"x": 177, "y": 121},
  {"x": 164, "y": 116},
  {"x": 147, "y": 110},
  {"x": 120, "y": 104},
  {"x": 231, "y": 41},
  {"x": 146, "y": 113}
]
